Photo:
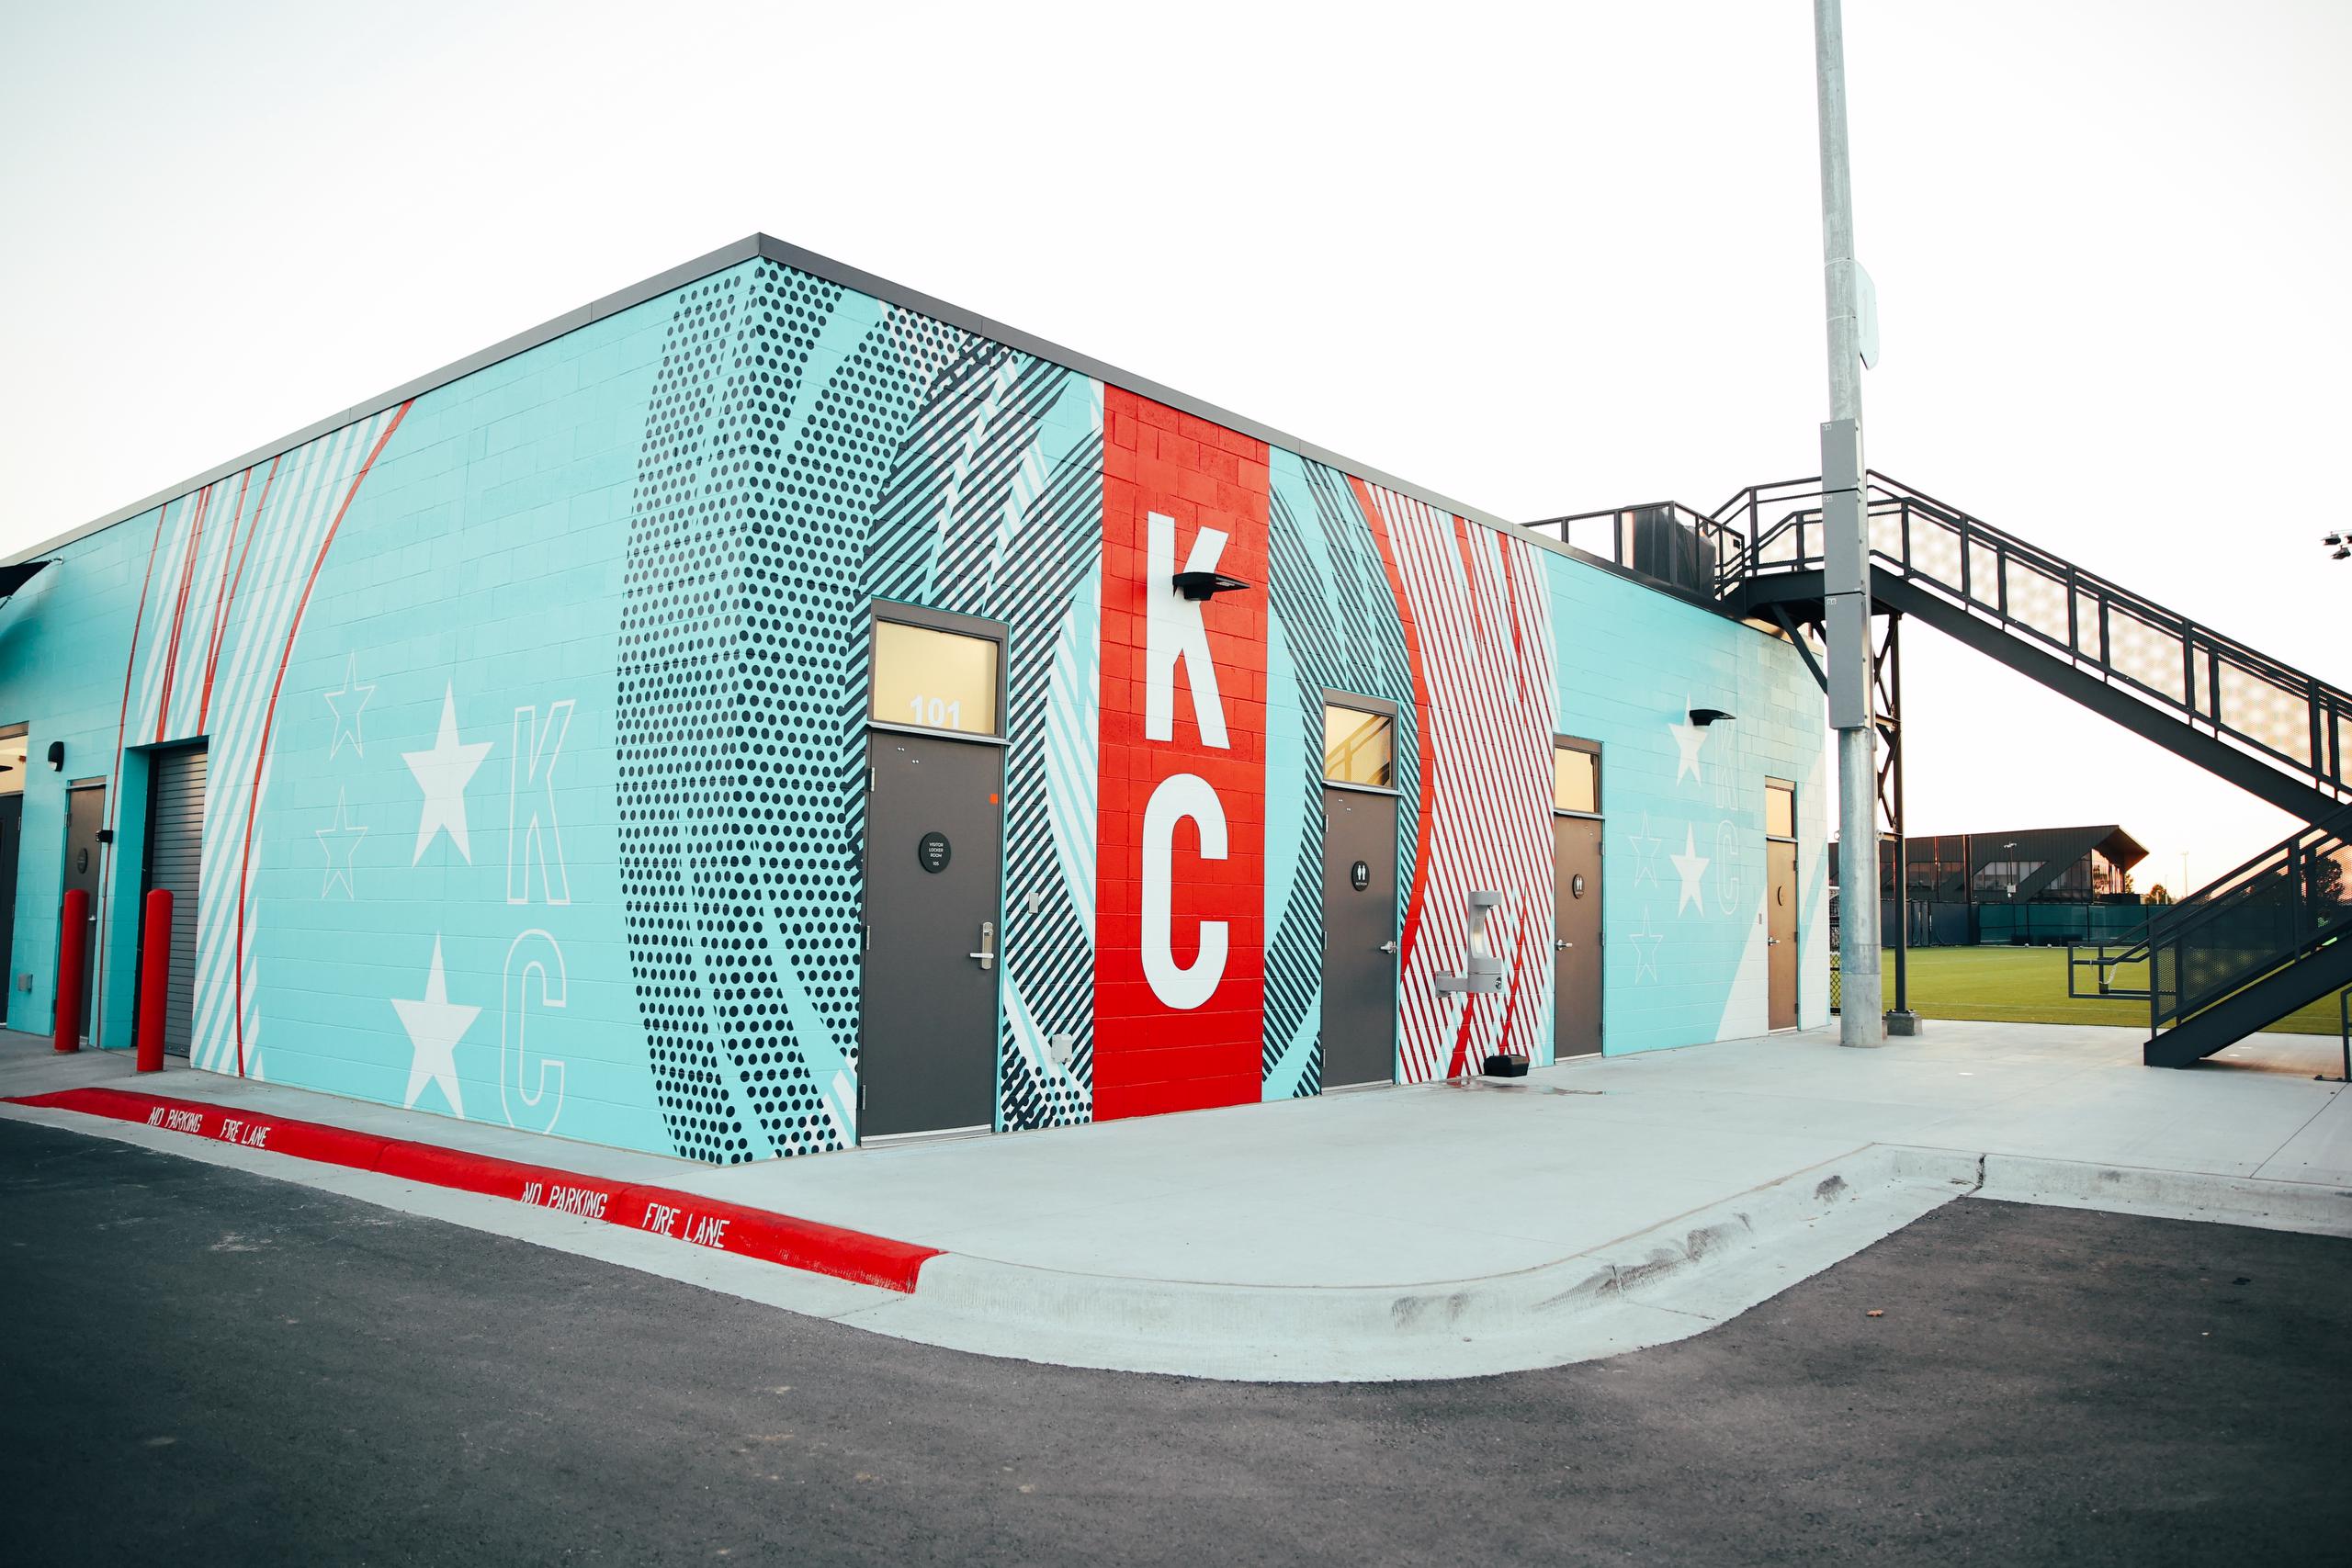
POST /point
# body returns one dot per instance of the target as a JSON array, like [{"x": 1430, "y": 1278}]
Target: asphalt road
[{"x": 201, "y": 1366}]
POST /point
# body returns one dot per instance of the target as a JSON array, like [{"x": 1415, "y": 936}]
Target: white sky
[{"x": 1542, "y": 258}]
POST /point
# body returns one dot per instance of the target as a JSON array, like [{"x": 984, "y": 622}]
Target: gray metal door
[
  {"x": 175, "y": 860},
  {"x": 85, "y": 859},
  {"x": 1781, "y": 933},
  {"x": 935, "y": 831},
  {"x": 12, "y": 834},
  {"x": 1576, "y": 936},
  {"x": 1359, "y": 938}
]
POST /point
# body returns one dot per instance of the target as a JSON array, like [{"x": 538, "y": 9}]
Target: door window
[
  {"x": 1780, "y": 809},
  {"x": 1576, "y": 777},
  {"x": 936, "y": 679},
  {"x": 1359, "y": 748}
]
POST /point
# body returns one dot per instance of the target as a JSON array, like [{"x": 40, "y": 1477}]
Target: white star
[
  {"x": 442, "y": 774},
  {"x": 346, "y": 710},
  {"x": 1691, "y": 865},
  {"x": 1688, "y": 737},
  {"x": 1645, "y": 945},
  {"x": 1645, "y": 847},
  {"x": 434, "y": 1027},
  {"x": 344, "y": 829}
]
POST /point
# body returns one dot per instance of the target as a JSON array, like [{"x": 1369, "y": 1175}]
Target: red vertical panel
[{"x": 1150, "y": 1056}]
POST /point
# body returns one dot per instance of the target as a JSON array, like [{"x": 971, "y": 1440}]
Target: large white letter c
[{"x": 1178, "y": 796}]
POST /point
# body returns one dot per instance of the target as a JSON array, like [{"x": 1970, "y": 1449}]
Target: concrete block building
[{"x": 769, "y": 710}]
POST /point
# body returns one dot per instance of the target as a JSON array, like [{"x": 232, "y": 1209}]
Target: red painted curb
[{"x": 680, "y": 1216}]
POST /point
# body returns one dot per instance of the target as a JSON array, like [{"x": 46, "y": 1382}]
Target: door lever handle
[
  {"x": 1561, "y": 946},
  {"x": 987, "y": 954},
  {"x": 1388, "y": 947}
]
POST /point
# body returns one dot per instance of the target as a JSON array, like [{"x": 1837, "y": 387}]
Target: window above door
[
  {"x": 1359, "y": 747},
  {"x": 1576, "y": 776},
  {"x": 934, "y": 677}
]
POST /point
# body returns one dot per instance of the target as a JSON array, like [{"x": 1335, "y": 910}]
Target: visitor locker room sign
[{"x": 1180, "y": 979}]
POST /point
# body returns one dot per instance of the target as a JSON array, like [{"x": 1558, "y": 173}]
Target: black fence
[{"x": 1936, "y": 924}]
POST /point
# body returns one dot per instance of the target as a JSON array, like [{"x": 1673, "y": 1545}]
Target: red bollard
[
  {"x": 154, "y": 977},
  {"x": 73, "y": 944}
]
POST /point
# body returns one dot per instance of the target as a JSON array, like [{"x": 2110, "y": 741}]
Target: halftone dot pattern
[
  {"x": 804, "y": 662},
  {"x": 675, "y": 685},
  {"x": 728, "y": 870},
  {"x": 804, "y": 447},
  {"x": 807, "y": 449}
]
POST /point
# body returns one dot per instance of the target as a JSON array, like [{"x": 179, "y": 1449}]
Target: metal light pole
[{"x": 1844, "y": 516}]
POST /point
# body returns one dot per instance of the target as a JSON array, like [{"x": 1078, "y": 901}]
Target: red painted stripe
[
  {"x": 1460, "y": 1059},
  {"x": 1477, "y": 710},
  {"x": 1463, "y": 547},
  {"x": 221, "y": 595},
  {"x": 1379, "y": 526},
  {"x": 1444, "y": 873},
  {"x": 1510, "y": 1002},
  {"x": 687, "y": 1217},
  {"x": 269, "y": 717},
  {"x": 1532, "y": 650},
  {"x": 179, "y": 609},
  {"x": 260, "y": 508},
  {"x": 1518, "y": 644},
  {"x": 130, "y": 665},
  {"x": 1449, "y": 564}
]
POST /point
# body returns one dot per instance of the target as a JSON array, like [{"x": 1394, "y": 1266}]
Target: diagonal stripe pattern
[
  {"x": 1482, "y": 649},
  {"x": 232, "y": 565},
  {"x": 1334, "y": 613}
]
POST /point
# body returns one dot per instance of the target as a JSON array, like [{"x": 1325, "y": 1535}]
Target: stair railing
[
  {"x": 2343, "y": 1030},
  {"x": 2213, "y": 681},
  {"x": 2100, "y": 959},
  {"x": 1628, "y": 537},
  {"x": 2283, "y": 906},
  {"x": 2228, "y": 896}
]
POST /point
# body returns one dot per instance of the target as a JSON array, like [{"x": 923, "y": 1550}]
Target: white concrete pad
[{"x": 1440, "y": 1229}]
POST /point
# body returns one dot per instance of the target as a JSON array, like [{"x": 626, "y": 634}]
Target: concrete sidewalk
[{"x": 1465, "y": 1227}]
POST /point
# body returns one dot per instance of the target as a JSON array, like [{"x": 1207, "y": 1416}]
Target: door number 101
[{"x": 937, "y": 712}]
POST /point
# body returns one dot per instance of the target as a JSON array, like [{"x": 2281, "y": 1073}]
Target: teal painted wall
[{"x": 1685, "y": 960}]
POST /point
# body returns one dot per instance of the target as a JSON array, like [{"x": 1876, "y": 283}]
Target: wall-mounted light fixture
[
  {"x": 57, "y": 756},
  {"x": 1705, "y": 716},
  {"x": 1205, "y": 584}
]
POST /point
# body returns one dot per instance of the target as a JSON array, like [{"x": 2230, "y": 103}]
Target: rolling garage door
[{"x": 174, "y": 861}]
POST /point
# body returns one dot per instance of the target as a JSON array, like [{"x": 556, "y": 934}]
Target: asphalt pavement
[{"x": 201, "y": 1366}]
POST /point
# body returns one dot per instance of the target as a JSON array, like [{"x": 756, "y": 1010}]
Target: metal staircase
[
  {"x": 2245, "y": 950},
  {"x": 2266, "y": 725},
  {"x": 2239, "y": 953}
]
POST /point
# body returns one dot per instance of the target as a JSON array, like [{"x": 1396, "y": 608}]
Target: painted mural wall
[{"x": 535, "y": 714}]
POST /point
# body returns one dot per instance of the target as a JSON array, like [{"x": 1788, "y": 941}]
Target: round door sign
[
  {"x": 1359, "y": 876},
  {"x": 932, "y": 852}
]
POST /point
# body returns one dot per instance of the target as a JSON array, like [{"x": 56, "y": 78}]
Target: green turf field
[{"x": 2028, "y": 984}]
